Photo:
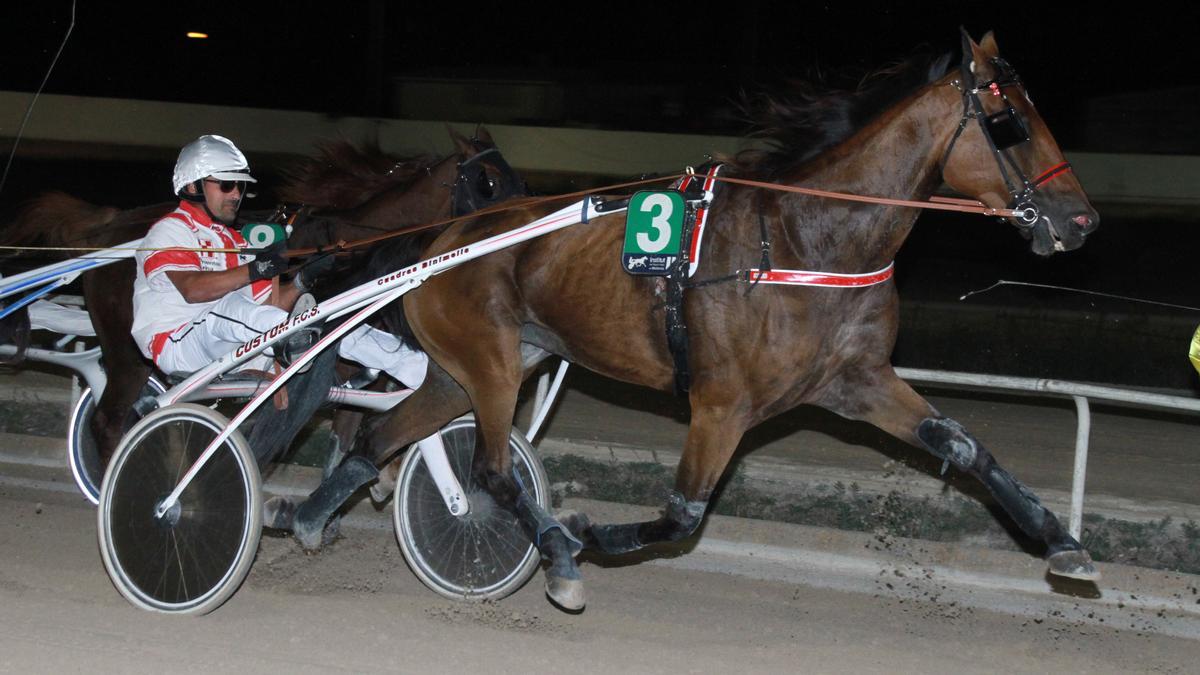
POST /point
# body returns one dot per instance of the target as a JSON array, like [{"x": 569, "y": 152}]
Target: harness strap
[
  {"x": 827, "y": 279},
  {"x": 764, "y": 241},
  {"x": 676, "y": 322},
  {"x": 1050, "y": 173}
]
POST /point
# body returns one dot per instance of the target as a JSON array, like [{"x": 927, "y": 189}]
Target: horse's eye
[{"x": 486, "y": 185}]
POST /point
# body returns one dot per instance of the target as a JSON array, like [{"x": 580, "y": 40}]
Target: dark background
[
  {"x": 337, "y": 57},
  {"x": 1105, "y": 79}
]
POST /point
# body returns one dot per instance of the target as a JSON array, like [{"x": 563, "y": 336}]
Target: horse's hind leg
[
  {"x": 435, "y": 403},
  {"x": 890, "y": 404},
  {"x": 108, "y": 292},
  {"x": 715, "y": 430},
  {"x": 485, "y": 359}
]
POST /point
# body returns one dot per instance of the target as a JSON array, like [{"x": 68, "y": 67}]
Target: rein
[
  {"x": 499, "y": 208},
  {"x": 937, "y": 203}
]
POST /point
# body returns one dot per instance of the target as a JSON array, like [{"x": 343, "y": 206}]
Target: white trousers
[{"x": 236, "y": 319}]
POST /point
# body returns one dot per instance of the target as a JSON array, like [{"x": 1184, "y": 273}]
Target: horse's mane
[
  {"x": 809, "y": 119},
  {"x": 343, "y": 176},
  {"x": 58, "y": 219}
]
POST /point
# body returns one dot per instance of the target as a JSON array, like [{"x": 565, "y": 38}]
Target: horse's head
[
  {"x": 1003, "y": 154},
  {"x": 484, "y": 177}
]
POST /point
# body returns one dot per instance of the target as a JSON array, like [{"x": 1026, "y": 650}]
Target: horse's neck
[
  {"x": 425, "y": 201},
  {"x": 896, "y": 156}
]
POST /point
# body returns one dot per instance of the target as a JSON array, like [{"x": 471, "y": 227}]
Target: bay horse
[
  {"x": 349, "y": 192},
  {"x": 755, "y": 349}
]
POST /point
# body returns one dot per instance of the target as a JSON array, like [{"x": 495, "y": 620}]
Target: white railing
[{"x": 1079, "y": 392}]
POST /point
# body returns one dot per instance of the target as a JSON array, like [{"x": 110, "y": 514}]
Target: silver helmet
[{"x": 210, "y": 156}]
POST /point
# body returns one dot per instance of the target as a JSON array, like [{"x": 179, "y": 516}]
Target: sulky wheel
[
  {"x": 484, "y": 555},
  {"x": 83, "y": 455},
  {"x": 193, "y": 558}
]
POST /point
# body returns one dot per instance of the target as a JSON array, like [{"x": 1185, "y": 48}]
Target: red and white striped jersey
[{"x": 178, "y": 241}]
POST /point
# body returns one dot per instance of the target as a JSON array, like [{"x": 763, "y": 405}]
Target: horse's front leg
[{"x": 883, "y": 399}]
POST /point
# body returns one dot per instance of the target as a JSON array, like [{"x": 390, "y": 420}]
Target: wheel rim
[
  {"x": 481, "y": 554},
  {"x": 180, "y": 561},
  {"x": 83, "y": 454}
]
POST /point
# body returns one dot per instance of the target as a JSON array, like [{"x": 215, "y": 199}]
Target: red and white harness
[{"x": 783, "y": 277}]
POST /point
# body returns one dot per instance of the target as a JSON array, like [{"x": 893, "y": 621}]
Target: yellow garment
[{"x": 1194, "y": 354}]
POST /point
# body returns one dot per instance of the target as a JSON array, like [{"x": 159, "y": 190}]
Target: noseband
[{"x": 1003, "y": 131}]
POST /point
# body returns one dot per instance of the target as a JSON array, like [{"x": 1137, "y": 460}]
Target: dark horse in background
[
  {"x": 754, "y": 351},
  {"x": 348, "y": 193}
]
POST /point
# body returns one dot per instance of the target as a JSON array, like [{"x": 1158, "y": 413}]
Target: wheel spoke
[
  {"x": 484, "y": 553},
  {"x": 191, "y": 559}
]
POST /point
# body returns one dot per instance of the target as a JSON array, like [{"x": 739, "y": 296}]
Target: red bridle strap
[{"x": 1051, "y": 173}]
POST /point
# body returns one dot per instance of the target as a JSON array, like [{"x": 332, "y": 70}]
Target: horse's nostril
[{"x": 1082, "y": 221}]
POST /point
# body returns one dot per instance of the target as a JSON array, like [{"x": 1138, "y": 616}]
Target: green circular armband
[{"x": 261, "y": 235}]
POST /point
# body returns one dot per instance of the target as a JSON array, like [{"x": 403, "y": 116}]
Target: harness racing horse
[
  {"x": 757, "y": 348},
  {"x": 351, "y": 192}
]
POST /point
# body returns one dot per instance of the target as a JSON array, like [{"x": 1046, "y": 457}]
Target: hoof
[
  {"x": 310, "y": 537},
  {"x": 312, "y": 540},
  {"x": 315, "y": 512},
  {"x": 385, "y": 484},
  {"x": 380, "y": 493},
  {"x": 1073, "y": 565},
  {"x": 332, "y": 531},
  {"x": 566, "y": 593},
  {"x": 278, "y": 513}
]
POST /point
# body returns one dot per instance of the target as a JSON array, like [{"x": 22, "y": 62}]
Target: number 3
[{"x": 661, "y": 222}]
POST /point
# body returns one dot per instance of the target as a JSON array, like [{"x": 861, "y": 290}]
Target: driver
[{"x": 192, "y": 306}]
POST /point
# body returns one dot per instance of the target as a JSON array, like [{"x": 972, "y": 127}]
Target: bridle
[
  {"x": 1003, "y": 131},
  {"x": 470, "y": 192},
  {"x": 467, "y": 194}
]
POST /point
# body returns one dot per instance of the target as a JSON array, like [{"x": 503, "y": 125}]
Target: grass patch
[{"x": 1159, "y": 544}]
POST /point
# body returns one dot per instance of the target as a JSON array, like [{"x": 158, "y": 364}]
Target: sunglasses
[{"x": 228, "y": 186}]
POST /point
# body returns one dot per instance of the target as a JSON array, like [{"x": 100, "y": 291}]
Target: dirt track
[{"x": 356, "y": 607}]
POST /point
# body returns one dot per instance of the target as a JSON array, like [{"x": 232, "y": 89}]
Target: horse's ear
[
  {"x": 987, "y": 46},
  {"x": 981, "y": 54},
  {"x": 483, "y": 136},
  {"x": 461, "y": 143}
]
